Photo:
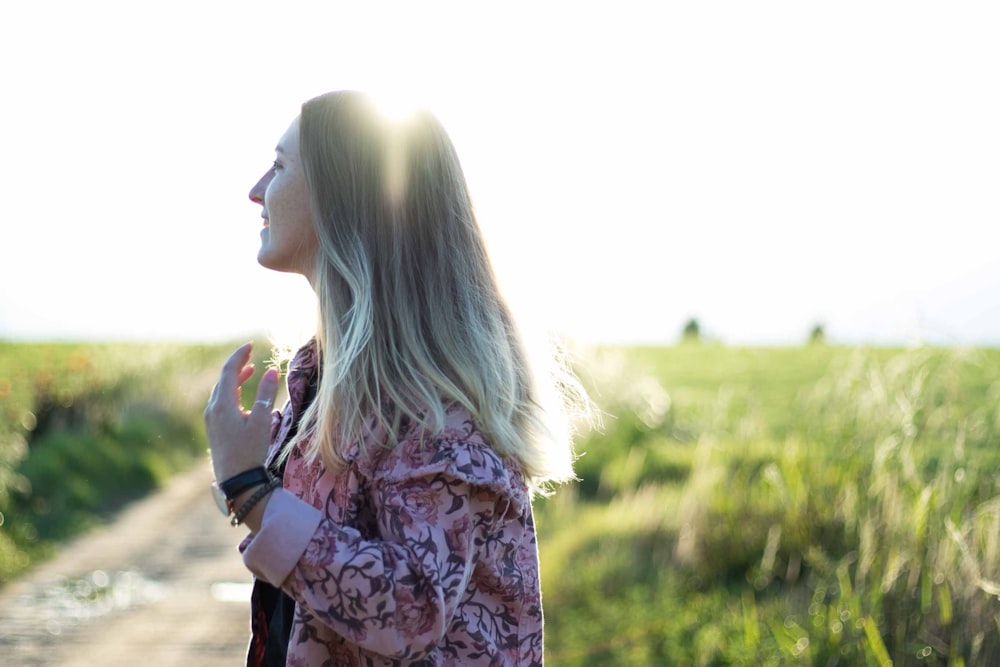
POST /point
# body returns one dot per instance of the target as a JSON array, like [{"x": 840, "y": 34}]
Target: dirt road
[{"x": 163, "y": 585}]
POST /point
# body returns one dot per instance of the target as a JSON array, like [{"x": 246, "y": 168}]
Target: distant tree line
[{"x": 691, "y": 333}]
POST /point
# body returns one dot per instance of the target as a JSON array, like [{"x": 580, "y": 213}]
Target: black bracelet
[
  {"x": 247, "y": 479},
  {"x": 245, "y": 508}
]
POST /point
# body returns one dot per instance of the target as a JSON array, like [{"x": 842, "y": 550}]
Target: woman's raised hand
[{"x": 239, "y": 438}]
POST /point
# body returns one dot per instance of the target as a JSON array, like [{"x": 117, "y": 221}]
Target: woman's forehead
[{"x": 289, "y": 141}]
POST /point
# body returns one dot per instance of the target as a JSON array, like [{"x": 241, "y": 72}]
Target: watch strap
[{"x": 247, "y": 479}]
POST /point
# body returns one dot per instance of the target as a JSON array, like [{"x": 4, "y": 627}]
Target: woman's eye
[{"x": 276, "y": 165}]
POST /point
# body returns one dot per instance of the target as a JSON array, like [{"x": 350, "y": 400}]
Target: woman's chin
[
  {"x": 276, "y": 263},
  {"x": 267, "y": 260},
  {"x": 280, "y": 257}
]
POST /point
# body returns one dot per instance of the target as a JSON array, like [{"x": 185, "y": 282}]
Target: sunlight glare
[{"x": 396, "y": 104}]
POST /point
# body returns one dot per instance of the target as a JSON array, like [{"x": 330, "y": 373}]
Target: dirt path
[{"x": 163, "y": 585}]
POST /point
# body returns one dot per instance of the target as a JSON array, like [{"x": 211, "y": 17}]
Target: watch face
[{"x": 220, "y": 499}]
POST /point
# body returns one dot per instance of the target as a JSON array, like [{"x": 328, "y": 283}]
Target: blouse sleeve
[{"x": 395, "y": 595}]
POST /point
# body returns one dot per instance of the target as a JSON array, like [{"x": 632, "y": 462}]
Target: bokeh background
[{"x": 767, "y": 231}]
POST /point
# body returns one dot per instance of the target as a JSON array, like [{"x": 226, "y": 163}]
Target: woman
[{"x": 389, "y": 501}]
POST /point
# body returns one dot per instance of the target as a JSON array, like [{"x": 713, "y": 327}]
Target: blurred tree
[
  {"x": 817, "y": 336},
  {"x": 691, "y": 331}
]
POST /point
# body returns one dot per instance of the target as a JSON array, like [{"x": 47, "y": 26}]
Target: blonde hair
[{"x": 410, "y": 316}]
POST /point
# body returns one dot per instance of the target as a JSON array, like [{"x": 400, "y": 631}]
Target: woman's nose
[{"x": 257, "y": 191}]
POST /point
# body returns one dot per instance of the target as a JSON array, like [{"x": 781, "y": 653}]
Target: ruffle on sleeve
[{"x": 459, "y": 452}]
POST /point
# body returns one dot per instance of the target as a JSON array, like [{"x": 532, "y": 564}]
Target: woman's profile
[{"x": 389, "y": 501}]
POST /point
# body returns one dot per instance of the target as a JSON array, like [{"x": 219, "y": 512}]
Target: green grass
[
  {"x": 820, "y": 506},
  {"x": 811, "y": 506},
  {"x": 86, "y": 428}
]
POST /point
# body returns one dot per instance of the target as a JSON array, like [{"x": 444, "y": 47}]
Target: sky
[{"x": 763, "y": 167}]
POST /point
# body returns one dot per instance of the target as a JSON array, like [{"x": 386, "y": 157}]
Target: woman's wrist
[
  {"x": 227, "y": 470},
  {"x": 255, "y": 515},
  {"x": 250, "y": 478}
]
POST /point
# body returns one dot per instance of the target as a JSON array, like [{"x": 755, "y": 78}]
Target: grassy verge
[
  {"x": 86, "y": 428},
  {"x": 819, "y": 506},
  {"x": 814, "y": 506}
]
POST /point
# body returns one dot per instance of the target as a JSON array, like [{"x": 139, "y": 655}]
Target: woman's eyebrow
[{"x": 279, "y": 149}]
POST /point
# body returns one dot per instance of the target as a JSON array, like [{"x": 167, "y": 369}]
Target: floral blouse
[{"x": 419, "y": 554}]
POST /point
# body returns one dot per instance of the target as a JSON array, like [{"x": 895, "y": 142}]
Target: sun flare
[{"x": 396, "y": 104}]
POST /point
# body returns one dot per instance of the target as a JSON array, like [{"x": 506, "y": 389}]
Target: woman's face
[{"x": 288, "y": 239}]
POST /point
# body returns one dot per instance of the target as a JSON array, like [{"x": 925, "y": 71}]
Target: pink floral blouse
[{"x": 419, "y": 554}]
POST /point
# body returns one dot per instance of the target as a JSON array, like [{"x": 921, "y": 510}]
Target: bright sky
[{"x": 761, "y": 166}]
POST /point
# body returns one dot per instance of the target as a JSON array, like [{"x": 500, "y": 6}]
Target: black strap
[{"x": 247, "y": 479}]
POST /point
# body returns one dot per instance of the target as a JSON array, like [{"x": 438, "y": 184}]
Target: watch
[
  {"x": 224, "y": 493},
  {"x": 223, "y": 503}
]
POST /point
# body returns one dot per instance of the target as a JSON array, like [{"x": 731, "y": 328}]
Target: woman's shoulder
[{"x": 459, "y": 450}]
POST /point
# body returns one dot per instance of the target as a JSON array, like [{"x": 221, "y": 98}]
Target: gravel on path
[{"x": 162, "y": 585}]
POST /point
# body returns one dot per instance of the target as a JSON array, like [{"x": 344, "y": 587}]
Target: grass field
[
  {"x": 814, "y": 506},
  {"x": 818, "y": 506},
  {"x": 85, "y": 428}
]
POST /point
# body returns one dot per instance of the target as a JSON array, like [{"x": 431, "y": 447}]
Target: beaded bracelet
[{"x": 245, "y": 508}]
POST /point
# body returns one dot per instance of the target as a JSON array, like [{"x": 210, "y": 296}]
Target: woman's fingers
[
  {"x": 238, "y": 439},
  {"x": 245, "y": 373},
  {"x": 235, "y": 371},
  {"x": 229, "y": 380},
  {"x": 267, "y": 390}
]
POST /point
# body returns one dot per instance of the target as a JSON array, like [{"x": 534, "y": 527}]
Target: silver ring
[{"x": 265, "y": 402}]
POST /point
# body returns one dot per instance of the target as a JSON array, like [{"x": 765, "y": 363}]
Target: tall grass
[
  {"x": 814, "y": 506},
  {"x": 846, "y": 513},
  {"x": 86, "y": 428}
]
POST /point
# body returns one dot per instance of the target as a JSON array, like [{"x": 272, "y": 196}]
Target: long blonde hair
[{"x": 410, "y": 315}]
